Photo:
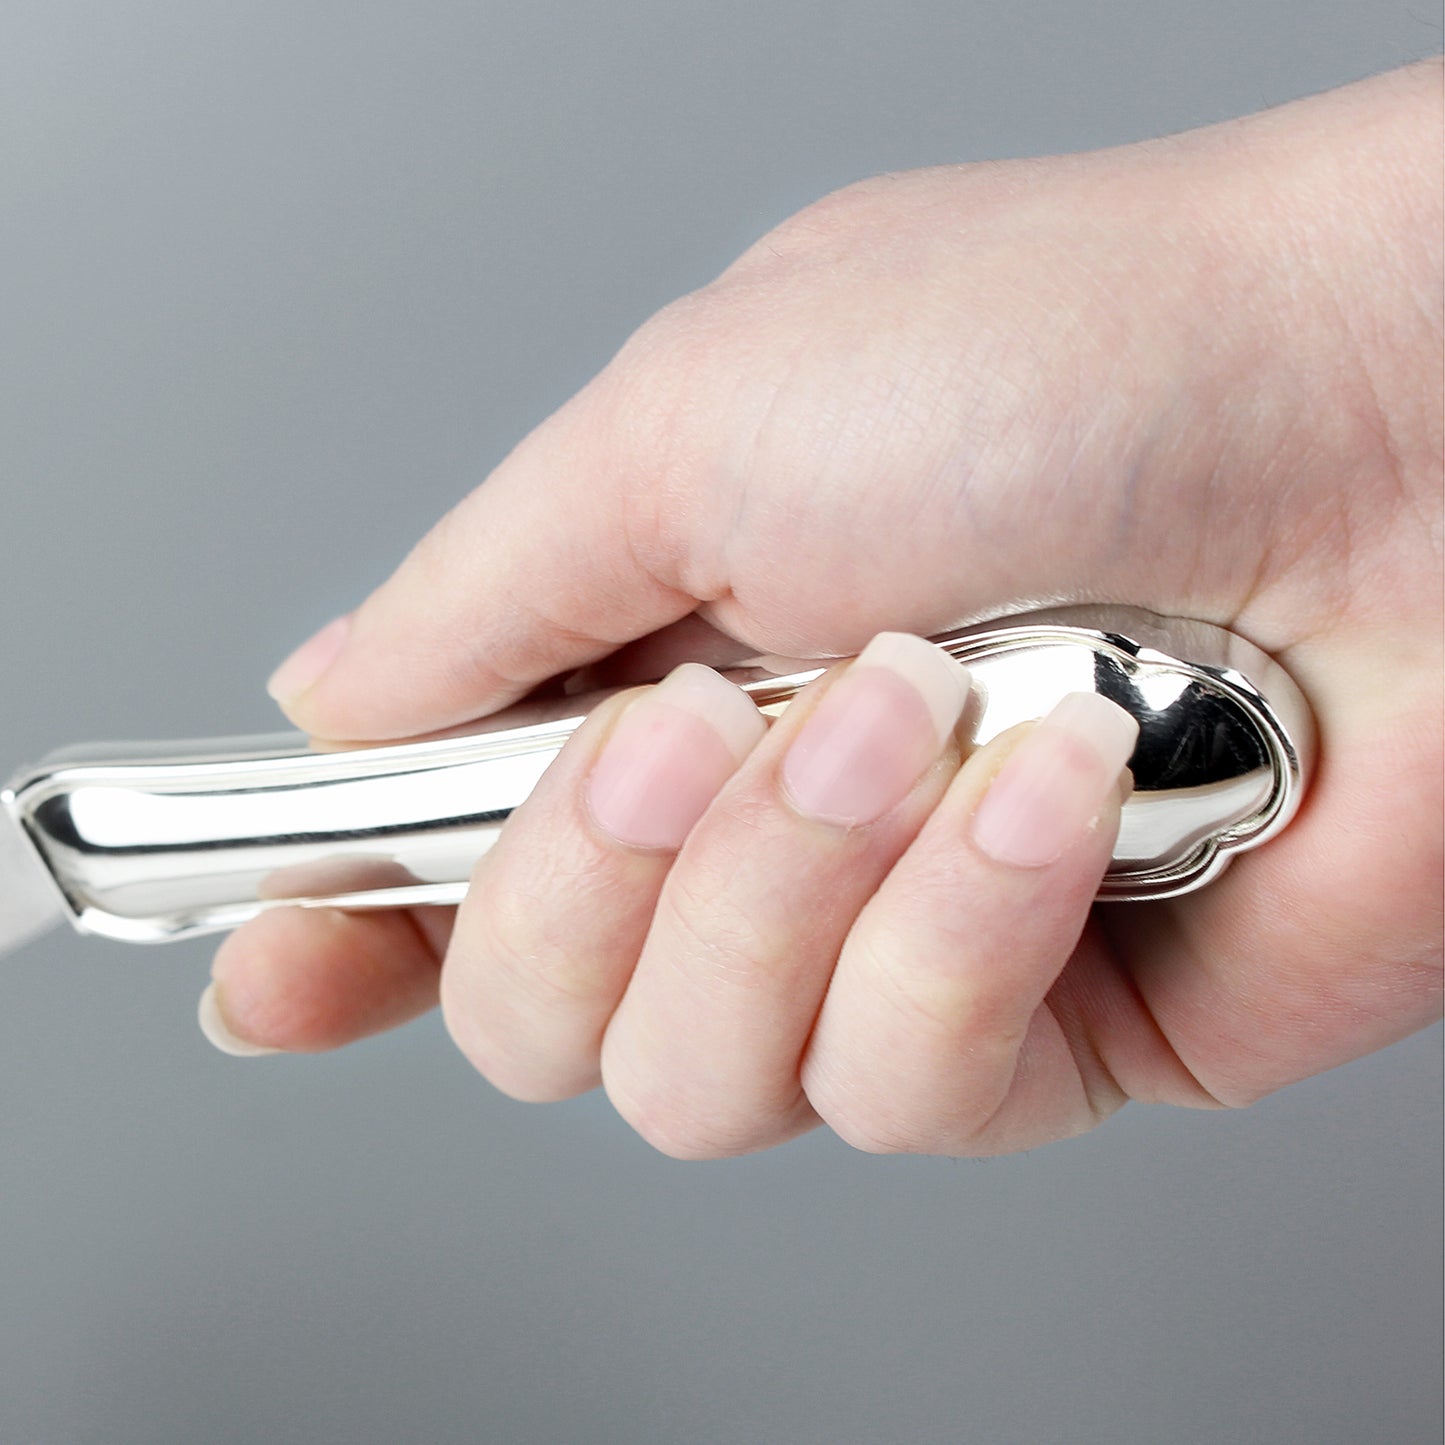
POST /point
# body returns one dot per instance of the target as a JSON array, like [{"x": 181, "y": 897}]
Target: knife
[{"x": 159, "y": 841}]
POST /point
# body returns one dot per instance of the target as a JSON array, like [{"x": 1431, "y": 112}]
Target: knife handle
[{"x": 168, "y": 840}]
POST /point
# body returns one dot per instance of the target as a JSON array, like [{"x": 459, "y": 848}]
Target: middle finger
[{"x": 702, "y": 1056}]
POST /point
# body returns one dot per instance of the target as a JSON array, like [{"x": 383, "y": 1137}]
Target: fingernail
[
  {"x": 1054, "y": 783},
  {"x": 668, "y": 755},
  {"x": 218, "y": 1031},
  {"x": 875, "y": 731},
  {"x": 304, "y": 667}
]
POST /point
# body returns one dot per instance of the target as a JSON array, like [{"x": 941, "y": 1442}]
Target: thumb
[{"x": 532, "y": 574}]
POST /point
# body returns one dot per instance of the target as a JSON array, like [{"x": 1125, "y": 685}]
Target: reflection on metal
[{"x": 169, "y": 840}]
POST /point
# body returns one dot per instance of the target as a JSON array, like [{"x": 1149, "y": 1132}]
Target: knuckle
[
  {"x": 685, "y": 1145},
  {"x": 824, "y": 229},
  {"x": 474, "y": 1039},
  {"x": 849, "y": 1105},
  {"x": 676, "y": 1121},
  {"x": 874, "y": 1129},
  {"x": 666, "y": 395},
  {"x": 871, "y": 1135},
  {"x": 529, "y": 1083},
  {"x": 940, "y": 1001},
  {"x": 679, "y": 1133},
  {"x": 704, "y": 926},
  {"x": 494, "y": 1023},
  {"x": 463, "y": 1020},
  {"x": 509, "y": 937},
  {"x": 504, "y": 1059},
  {"x": 665, "y": 379}
]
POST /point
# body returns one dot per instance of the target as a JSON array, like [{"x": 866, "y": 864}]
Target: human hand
[{"x": 1199, "y": 375}]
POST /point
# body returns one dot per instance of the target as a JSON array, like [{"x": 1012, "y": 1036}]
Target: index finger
[{"x": 536, "y": 572}]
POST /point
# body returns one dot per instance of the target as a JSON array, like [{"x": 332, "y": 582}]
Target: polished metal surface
[{"x": 165, "y": 841}]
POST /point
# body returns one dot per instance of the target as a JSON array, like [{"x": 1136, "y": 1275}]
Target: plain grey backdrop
[{"x": 278, "y": 282}]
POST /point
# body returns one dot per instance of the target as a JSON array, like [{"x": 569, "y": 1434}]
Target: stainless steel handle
[{"x": 165, "y": 841}]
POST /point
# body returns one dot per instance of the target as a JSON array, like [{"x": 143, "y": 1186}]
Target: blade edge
[{"x": 30, "y": 899}]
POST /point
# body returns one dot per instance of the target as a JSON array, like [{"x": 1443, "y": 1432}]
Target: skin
[{"x": 1201, "y": 375}]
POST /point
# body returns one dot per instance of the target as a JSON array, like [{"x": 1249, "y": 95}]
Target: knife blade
[{"x": 31, "y": 902}]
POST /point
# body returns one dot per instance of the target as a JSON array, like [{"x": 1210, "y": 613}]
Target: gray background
[{"x": 277, "y": 283}]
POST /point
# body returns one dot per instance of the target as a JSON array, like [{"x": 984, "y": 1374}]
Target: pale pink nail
[
  {"x": 875, "y": 731},
  {"x": 304, "y": 667},
  {"x": 668, "y": 755},
  {"x": 218, "y": 1031},
  {"x": 1054, "y": 783}
]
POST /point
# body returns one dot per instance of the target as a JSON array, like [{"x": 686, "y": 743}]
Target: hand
[{"x": 1200, "y": 375}]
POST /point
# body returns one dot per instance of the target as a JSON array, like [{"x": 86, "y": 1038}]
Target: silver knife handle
[{"x": 168, "y": 840}]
